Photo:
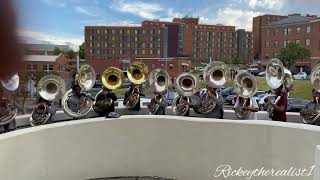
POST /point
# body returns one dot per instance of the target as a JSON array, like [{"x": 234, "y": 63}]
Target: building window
[
  {"x": 298, "y": 42},
  {"x": 48, "y": 67},
  {"x": 128, "y": 31},
  {"x": 298, "y": 30},
  {"x": 151, "y": 45},
  {"x": 285, "y": 31},
  {"x": 120, "y": 44},
  {"x": 143, "y": 31},
  {"x": 286, "y": 43},
  {"x": 121, "y": 31},
  {"x": 276, "y": 32},
  {"x": 159, "y": 50},
  {"x": 267, "y": 56},
  {"x": 150, "y": 52},
  {"x": 128, "y": 45},
  {"x": 268, "y": 33},
  {"x": 136, "y": 31},
  {"x": 159, "y": 31},
  {"x": 276, "y": 43},
  {"x": 143, "y": 45},
  {"x": 120, "y": 51},
  {"x": 32, "y": 67},
  {"x": 143, "y": 51},
  {"x": 309, "y": 29},
  {"x": 308, "y": 42},
  {"x": 267, "y": 44},
  {"x": 151, "y": 38}
]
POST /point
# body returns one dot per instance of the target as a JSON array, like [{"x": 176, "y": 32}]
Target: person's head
[
  {"x": 41, "y": 100},
  {"x": 279, "y": 90},
  {"x": 315, "y": 94},
  {"x": 76, "y": 89},
  {"x": 105, "y": 90},
  {"x": 132, "y": 85}
]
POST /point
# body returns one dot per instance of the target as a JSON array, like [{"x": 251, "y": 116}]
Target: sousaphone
[
  {"x": 51, "y": 88},
  {"x": 86, "y": 78},
  {"x": 8, "y": 109}
]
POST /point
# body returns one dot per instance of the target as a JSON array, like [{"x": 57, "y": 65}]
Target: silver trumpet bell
[
  {"x": 86, "y": 78},
  {"x": 186, "y": 84},
  {"x": 159, "y": 81},
  {"x": 245, "y": 86},
  {"x": 50, "y": 87},
  {"x": 8, "y": 109}
]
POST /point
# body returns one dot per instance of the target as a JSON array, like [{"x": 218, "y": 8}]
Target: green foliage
[
  {"x": 81, "y": 51},
  {"x": 70, "y": 54},
  {"x": 292, "y": 53},
  {"x": 57, "y": 51}
]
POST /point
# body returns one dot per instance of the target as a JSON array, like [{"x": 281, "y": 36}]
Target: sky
[{"x": 63, "y": 21}]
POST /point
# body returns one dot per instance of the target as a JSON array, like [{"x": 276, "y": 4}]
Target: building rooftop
[
  {"x": 294, "y": 19},
  {"x": 46, "y": 47},
  {"x": 40, "y": 58}
]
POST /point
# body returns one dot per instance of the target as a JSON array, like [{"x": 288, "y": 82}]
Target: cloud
[
  {"x": 231, "y": 16},
  {"x": 84, "y": 11},
  {"x": 56, "y": 3},
  {"x": 266, "y": 4},
  {"x": 138, "y": 8},
  {"x": 41, "y": 37}
]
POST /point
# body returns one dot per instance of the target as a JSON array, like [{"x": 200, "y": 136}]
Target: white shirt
[{"x": 253, "y": 104}]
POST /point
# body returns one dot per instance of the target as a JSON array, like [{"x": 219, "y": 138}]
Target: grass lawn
[{"x": 302, "y": 89}]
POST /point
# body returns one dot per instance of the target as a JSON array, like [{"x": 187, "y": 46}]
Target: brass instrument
[
  {"x": 159, "y": 81},
  {"x": 186, "y": 84},
  {"x": 50, "y": 87},
  {"x": 276, "y": 75},
  {"x": 112, "y": 78},
  {"x": 137, "y": 73},
  {"x": 86, "y": 78},
  {"x": 310, "y": 116},
  {"x": 245, "y": 86},
  {"x": 8, "y": 110},
  {"x": 216, "y": 74}
]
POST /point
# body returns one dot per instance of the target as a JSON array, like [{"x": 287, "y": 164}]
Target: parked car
[
  {"x": 227, "y": 91},
  {"x": 300, "y": 76},
  {"x": 262, "y": 101},
  {"x": 144, "y": 101},
  {"x": 230, "y": 98},
  {"x": 296, "y": 105},
  {"x": 262, "y": 74}
]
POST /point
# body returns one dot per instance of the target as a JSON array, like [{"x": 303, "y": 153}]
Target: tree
[
  {"x": 70, "y": 54},
  {"x": 292, "y": 53},
  {"x": 57, "y": 51},
  {"x": 81, "y": 51}
]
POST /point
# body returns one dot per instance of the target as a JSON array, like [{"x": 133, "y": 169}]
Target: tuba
[
  {"x": 50, "y": 87},
  {"x": 112, "y": 78},
  {"x": 86, "y": 78},
  {"x": 215, "y": 74},
  {"x": 245, "y": 86},
  {"x": 186, "y": 84},
  {"x": 276, "y": 75},
  {"x": 159, "y": 81},
  {"x": 310, "y": 116},
  {"x": 8, "y": 110},
  {"x": 137, "y": 73}
]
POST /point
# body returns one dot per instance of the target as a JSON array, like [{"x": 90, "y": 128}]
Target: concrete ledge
[
  {"x": 165, "y": 146},
  {"x": 24, "y": 120}
]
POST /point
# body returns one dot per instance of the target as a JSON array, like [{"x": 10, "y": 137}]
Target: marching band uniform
[
  {"x": 49, "y": 108},
  {"x": 133, "y": 89},
  {"x": 105, "y": 94},
  {"x": 217, "y": 112},
  {"x": 181, "y": 100},
  {"x": 251, "y": 106},
  {"x": 162, "y": 104},
  {"x": 280, "y": 106}
]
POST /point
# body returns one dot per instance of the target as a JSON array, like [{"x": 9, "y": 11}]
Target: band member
[
  {"x": 217, "y": 111},
  {"x": 44, "y": 105},
  {"x": 3, "y": 111},
  {"x": 182, "y": 101},
  {"x": 75, "y": 102},
  {"x": 250, "y": 105},
  {"x": 133, "y": 89},
  {"x": 312, "y": 107},
  {"x": 105, "y": 102},
  {"x": 160, "y": 100},
  {"x": 279, "y": 106}
]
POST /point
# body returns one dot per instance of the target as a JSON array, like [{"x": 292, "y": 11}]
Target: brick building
[
  {"x": 302, "y": 30},
  {"x": 245, "y": 45},
  {"x": 183, "y": 37},
  {"x": 49, "y": 64},
  {"x": 43, "y": 49},
  {"x": 258, "y": 23}
]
